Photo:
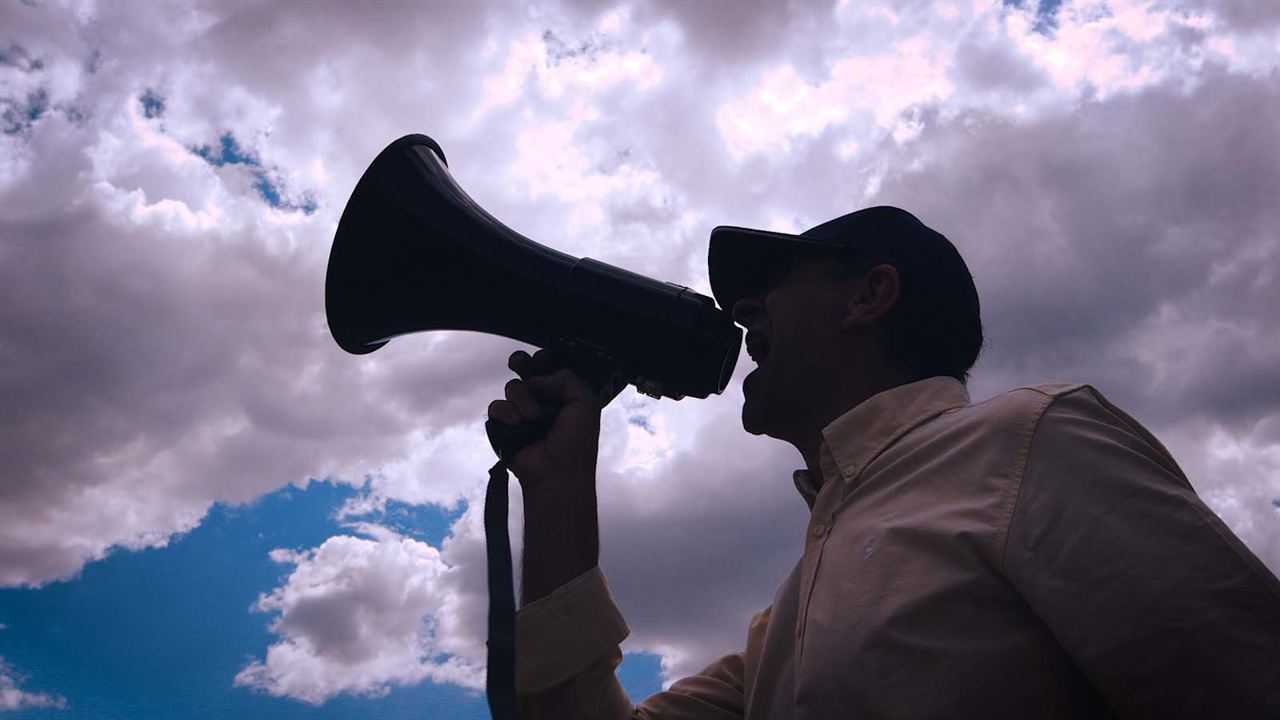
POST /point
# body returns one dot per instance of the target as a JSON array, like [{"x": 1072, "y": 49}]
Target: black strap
[{"x": 500, "y": 677}]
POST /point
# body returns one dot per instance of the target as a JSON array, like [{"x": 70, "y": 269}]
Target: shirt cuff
[{"x": 562, "y": 634}]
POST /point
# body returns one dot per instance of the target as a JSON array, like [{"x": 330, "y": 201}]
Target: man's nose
[{"x": 746, "y": 310}]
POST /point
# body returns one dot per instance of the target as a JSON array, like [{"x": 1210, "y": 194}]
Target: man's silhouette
[{"x": 1037, "y": 555}]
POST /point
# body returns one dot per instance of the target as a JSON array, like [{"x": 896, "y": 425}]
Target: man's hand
[
  {"x": 566, "y": 458},
  {"x": 557, "y": 473}
]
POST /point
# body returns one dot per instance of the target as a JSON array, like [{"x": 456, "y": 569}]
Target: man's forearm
[{"x": 561, "y": 540}]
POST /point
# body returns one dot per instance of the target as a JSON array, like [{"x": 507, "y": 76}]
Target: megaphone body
[{"x": 413, "y": 252}]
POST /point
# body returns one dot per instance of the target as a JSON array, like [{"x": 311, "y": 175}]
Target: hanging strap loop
[{"x": 500, "y": 676}]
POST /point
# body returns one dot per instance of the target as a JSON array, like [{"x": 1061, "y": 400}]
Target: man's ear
[{"x": 875, "y": 293}]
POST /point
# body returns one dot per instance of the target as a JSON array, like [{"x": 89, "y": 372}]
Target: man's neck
[
  {"x": 848, "y": 396},
  {"x": 812, "y": 454},
  {"x": 815, "y": 473},
  {"x": 811, "y": 446}
]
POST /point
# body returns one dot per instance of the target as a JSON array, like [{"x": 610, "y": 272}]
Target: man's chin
[
  {"x": 755, "y": 409},
  {"x": 751, "y": 422}
]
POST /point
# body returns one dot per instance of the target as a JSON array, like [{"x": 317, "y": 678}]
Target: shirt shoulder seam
[{"x": 1018, "y": 469}]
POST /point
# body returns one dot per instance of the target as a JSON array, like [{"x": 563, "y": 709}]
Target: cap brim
[{"x": 742, "y": 261}]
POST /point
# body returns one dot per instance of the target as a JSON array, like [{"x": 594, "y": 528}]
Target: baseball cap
[{"x": 742, "y": 261}]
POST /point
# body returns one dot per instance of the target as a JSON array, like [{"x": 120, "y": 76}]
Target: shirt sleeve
[
  {"x": 1165, "y": 611},
  {"x": 567, "y": 648}
]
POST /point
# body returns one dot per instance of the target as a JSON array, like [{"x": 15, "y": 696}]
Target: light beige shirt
[{"x": 1037, "y": 555}]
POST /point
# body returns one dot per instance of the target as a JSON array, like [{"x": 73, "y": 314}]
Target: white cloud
[
  {"x": 360, "y": 615},
  {"x": 558, "y": 68},
  {"x": 1237, "y": 473},
  {"x": 13, "y": 697},
  {"x": 896, "y": 62}
]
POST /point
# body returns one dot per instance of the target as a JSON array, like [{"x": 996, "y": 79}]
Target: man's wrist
[{"x": 562, "y": 541}]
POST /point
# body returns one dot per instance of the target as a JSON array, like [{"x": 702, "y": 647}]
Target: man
[{"x": 1037, "y": 555}]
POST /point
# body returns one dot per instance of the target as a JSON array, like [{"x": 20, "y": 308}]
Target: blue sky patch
[
  {"x": 559, "y": 51},
  {"x": 18, "y": 116},
  {"x": 641, "y": 422},
  {"x": 153, "y": 104},
  {"x": 162, "y": 633},
  {"x": 270, "y": 191},
  {"x": 230, "y": 152},
  {"x": 17, "y": 56},
  {"x": 1046, "y": 21},
  {"x": 640, "y": 674}
]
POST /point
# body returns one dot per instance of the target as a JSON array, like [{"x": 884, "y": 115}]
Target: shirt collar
[
  {"x": 853, "y": 440},
  {"x": 807, "y": 488}
]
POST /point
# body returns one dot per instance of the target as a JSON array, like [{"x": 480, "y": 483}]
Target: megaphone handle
[
  {"x": 508, "y": 440},
  {"x": 602, "y": 373}
]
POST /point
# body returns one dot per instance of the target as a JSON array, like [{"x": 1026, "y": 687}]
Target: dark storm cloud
[
  {"x": 132, "y": 362},
  {"x": 1082, "y": 229},
  {"x": 725, "y": 33},
  {"x": 981, "y": 66},
  {"x": 694, "y": 550},
  {"x": 1239, "y": 15}
]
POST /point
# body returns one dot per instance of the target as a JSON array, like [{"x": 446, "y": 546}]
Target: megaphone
[{"x": 413, "y": 252}]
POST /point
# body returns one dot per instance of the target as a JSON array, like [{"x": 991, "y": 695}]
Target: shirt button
[{"x": 819, "y": 530}]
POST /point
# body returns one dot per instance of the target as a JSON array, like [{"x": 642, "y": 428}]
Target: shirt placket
[{"x": 816, "y": 536}]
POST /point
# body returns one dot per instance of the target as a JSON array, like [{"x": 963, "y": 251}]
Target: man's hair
[{"x": 932, "y": 329}]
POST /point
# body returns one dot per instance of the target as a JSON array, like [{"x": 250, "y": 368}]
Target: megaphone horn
[{"x": 413, "y": 252}]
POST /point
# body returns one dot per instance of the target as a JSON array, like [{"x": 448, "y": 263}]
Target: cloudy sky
[{"x": 208, "y": 510}]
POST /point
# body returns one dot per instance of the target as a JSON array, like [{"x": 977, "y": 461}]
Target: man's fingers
[
  {"x": 542, "y": 377},
  {"x": 563, "y": 386},
  {"x": 545, "y": 360},
  {"x": 519, "y": 395},
  {"x": 542, "y": 362},
  {"x": 504, "y": 412},
  {"x": 519, "y": 362}
]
